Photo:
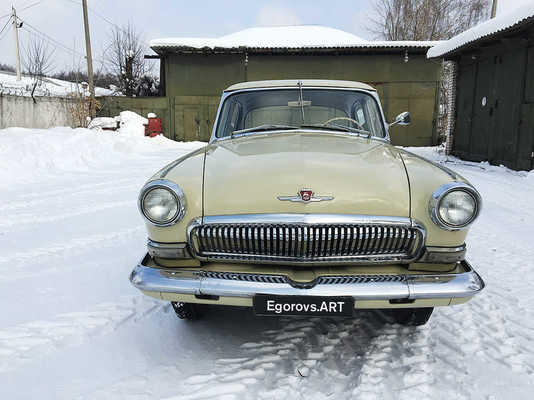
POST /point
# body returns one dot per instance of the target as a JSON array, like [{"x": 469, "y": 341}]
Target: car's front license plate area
[{"x": 303, "y": 305}]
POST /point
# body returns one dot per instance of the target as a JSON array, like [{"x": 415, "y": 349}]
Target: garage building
[
  {"x": 494, "y": 90},
  {"x": 194, "y": 71}
]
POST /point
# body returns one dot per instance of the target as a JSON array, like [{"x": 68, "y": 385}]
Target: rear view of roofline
[{"x": 305, "y": 83}]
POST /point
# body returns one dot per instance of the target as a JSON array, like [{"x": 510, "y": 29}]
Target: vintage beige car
[{"x": 299, "y": 205}]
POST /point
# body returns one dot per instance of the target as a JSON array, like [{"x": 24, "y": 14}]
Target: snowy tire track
[
  {"x": 24, "y": 343},
  {"x": 83, "y": 333}
]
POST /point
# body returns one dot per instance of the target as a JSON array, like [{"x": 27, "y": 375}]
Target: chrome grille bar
[
  {"x": 303, "y": 238},
  {"x": 321, "y": 280}
]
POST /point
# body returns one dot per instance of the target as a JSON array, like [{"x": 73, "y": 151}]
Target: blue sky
[{"x": 62, "y": 20}]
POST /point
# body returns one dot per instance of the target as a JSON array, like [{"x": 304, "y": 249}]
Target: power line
[
  {"x": 50, "y": 39},
  {"x": 4, "y": 35},
  {"x": 7, "y": 23},
  {"x": 30, "y": 6},
  {"x": 105, "y": 19},
  {"x": 22, "y": 9}
]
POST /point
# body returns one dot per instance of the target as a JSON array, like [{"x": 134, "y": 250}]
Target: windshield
[{"x": 267, "y": 110}]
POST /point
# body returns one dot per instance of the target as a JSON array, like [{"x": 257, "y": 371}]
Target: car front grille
[
  {"x": 369, "y": 241},
  {"x": 321, "y": 280}
]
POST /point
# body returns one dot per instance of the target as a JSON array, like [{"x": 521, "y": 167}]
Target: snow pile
[
  {"x": 28, "y": 155},
  {"x": 47, "y": 87},
  {"x": 132, "y": 124},
  {"x": 295, "y": 36},
  {"x": 128, "y": 122},
  {"x": 437, "y": 154},
  {"x": 100, "y": 123},
  {"x": 487, "y": 28}
]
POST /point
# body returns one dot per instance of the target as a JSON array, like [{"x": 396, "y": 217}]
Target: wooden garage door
[
  {"x": 464, "y": 108},
  {"x": 482, "y": 126},
  {"x": 194, "y": 121},
  {"x": 525, "y": 153}
]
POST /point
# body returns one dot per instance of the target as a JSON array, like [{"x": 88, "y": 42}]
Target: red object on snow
[{"x": 154, "y": 127}]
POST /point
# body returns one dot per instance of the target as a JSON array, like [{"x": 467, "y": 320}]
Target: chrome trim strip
[
  {"x": 436, "y": 249},
  {"x": 249, "y": 251},
  {"x": 360, "y": 287},
  {"x": 168, "y": 250},
  {"x": 443, "y": 255},
  {"x": 439, "y": 193},
  {"x": 174, "y": 189},
  {"x": 397, "y": 258},
  {"x": 288, "y": 218},
  {"x": 303, "y": 130}
]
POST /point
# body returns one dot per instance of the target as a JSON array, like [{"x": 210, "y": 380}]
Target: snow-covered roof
[
  {"x": 283, "y": 37},
  {"x": 505, "y": 22},
  {"x": 294, "y": 83}
]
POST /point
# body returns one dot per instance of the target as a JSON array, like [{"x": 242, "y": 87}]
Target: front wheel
[
  {"x": 187, "y": 311},
  {"x": 412, "y": 316}
]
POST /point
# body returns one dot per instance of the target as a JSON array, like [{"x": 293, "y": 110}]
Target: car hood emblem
[{"x": 305, "y": 196}]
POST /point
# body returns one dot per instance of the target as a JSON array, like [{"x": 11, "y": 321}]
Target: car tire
[
  {"x": 412, "y": 316},
  {"x": 188, "y": 311}
]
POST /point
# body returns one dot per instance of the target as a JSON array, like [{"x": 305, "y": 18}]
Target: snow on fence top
[
  {"x": 284, "y": 37},
  {"x": 511, "y": 20},
  {"x": 44, "y": 87}
]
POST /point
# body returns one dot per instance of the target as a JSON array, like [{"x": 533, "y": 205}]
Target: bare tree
[
  {"x": 38, "y": 61},
  {"x": 429, "y": 20},
  {"x": 125, "y": 58},
  {"x": 426, "y": 19}
]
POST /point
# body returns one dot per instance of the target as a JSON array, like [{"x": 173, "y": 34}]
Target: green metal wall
[
  {"x": 113, "y": 105},
  {"x": 495, "y": 104},
  {"x": 194, "y": 83}
]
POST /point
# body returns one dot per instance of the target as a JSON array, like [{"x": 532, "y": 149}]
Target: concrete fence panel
[{"x": 44, "y": 112}]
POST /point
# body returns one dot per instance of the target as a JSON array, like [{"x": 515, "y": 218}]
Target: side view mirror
[{"x": 402, "y": 119}]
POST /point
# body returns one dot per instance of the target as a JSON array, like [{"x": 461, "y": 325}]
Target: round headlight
[
  {"x": 457, "y": 208},
  {"x": 160, "y": 205},
  {"x": 162, "y": 202},
  {"x": 454, "y": 206}
]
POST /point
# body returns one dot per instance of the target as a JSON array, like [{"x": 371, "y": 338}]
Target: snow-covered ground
[
  {"x": 72, "y": 326},
  {"x": 47, "y": 87}
]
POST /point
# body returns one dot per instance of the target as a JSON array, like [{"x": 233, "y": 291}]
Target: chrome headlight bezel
[
  {"x": 172, "y": 188},
  {"x": 441, "y": 192}
]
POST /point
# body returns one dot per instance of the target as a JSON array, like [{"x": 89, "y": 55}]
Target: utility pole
[
  {"x": 89, "y": 60},
  {"x": 494, "y": 9},
  {"x": 15, "y": 30}
]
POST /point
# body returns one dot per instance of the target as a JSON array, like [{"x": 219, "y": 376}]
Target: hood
[{"x": 246, "y": 175}]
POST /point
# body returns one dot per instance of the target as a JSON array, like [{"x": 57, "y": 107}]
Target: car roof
[{"x": 305, "y": 83}]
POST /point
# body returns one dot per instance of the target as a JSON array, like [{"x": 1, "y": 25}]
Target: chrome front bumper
[{"x": 361, "y": 287}]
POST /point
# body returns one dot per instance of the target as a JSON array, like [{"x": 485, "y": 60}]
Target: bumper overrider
[{"x": 368, "y": 290}]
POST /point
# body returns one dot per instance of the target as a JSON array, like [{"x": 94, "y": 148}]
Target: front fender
[
  {"x": 425, "y": 177},
  {"x": 187, "y": 172}
]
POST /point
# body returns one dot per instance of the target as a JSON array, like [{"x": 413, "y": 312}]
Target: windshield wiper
[
  {"x": 338, "y": 127},
  {"x": 266, "y": 127}
]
